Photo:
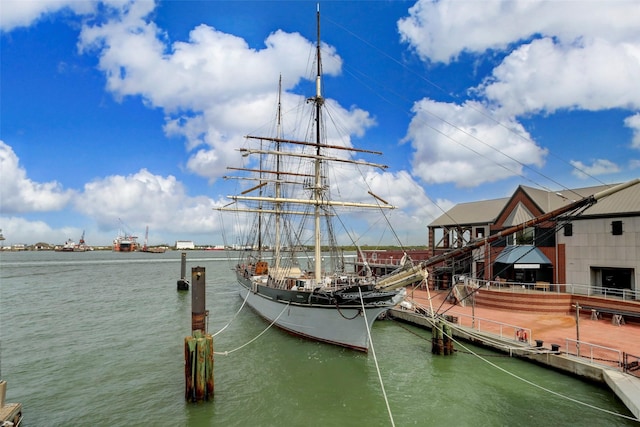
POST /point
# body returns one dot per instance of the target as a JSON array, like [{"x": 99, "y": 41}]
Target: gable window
[{"x": 616, "y": 228}]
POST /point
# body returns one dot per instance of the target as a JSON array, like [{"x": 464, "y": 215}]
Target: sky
[{"x": 120, "y": 115}]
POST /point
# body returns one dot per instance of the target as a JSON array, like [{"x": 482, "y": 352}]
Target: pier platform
[
  {"x": 12, "y": 413},
  {"x": 600, "y": 346}
]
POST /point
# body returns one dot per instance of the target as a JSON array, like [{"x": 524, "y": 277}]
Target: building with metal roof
[{"x": 597, "y": 247}]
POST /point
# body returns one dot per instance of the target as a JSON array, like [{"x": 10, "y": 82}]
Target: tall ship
[{"x": 292, "y": 272}]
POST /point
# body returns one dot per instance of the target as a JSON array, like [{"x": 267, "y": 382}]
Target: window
[
  {"x": 523, "y": 237},
  {"x": 568, "y": 230},
  {"x": 616, "y": 228},
  {"x": 479, "y": 232}
]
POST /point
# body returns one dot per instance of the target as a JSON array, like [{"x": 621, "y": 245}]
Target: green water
[{"x": 96, "y": 339}]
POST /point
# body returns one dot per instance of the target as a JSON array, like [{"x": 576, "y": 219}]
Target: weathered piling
[
  {"x": 198, "y": 348},
  {"x": 441, "y": 342},
  {"x": 183, "y": 283},
  {"x": 198, "y": 368},
  {"x": 437, "y": 344}
]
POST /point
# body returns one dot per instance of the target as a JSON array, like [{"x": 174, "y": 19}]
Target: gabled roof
[
  {"x": 624, "y": 202},
  {"x": 518, "y": 215},
  {"x": 482, "y": 212}
]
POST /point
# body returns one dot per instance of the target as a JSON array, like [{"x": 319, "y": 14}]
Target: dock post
[
  {"x": 437, "y": 344},
  {"x": 183, "y": 283},
  {"x": 441, "y": 339},
  {"x": 198, "y": 348},
  {"x": 448, "y": 342}
]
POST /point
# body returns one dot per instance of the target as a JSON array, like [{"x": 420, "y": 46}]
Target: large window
[
  {"x": 613, "y": 281},
  {"x": 523, "y": 237}
]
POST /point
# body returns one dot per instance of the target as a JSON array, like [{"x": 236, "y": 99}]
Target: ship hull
[{"x": 342, "y": 325}]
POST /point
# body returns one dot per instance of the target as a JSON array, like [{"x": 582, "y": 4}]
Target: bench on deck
[{"x": 542, "y": 286}]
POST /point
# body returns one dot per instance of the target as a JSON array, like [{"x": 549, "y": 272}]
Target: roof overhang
[{"x": 523, "y": 257}]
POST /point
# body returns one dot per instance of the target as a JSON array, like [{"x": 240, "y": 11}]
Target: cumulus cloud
[
  {"x": 19, "y": 194},
  {"x": 633, "y": 123},
  {"x": 210, "y": 86},
  {"x": 146, "y": 199},
  {"x": 441, "y": 30},
  {"x": 468, "y": 145},
  {"x": 570, "y": 54},
  {"x": 20, "y": 230},
  {"x": 553, "y": 56},
  {"x": 597, "y": 167},
  {"x": 545, "y": 75},
  {"x": 21, "y": 13}
]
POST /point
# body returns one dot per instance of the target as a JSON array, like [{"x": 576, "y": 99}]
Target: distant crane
[
  {"x": 146, "y": 239},
  {"x": 146, "y": 248}
]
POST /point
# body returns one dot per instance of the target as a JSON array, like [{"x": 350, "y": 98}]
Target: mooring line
[
  {"x": 234, "y": 316},
  {"x": 226, "y": 353},
  {"x": 375, "y": 359},
  {"x": 531, "y": 383}
]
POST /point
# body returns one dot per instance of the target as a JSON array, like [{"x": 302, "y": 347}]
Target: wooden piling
[
  {"x": 183, "y": 283},
  {"x": 198, "y": 348},
  {"x": 198, "y": 368},
  {"x": 198, "y": 303},
  {"x": 441, "y": 342}
]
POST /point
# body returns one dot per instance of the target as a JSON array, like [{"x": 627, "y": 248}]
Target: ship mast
[
  {"x": 317, "y": 190},
  {"x": 278, "y": 206}
]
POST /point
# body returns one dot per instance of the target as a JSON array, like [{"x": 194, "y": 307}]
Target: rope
[
  {"x": 226, "y": 353},
  {"x": 373, "y": 352},
  {"x": 555, "y": 393},
  {"x": 234, "y": 316}
]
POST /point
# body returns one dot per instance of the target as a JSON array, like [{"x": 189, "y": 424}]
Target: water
[{"x": 96, "y": 338}]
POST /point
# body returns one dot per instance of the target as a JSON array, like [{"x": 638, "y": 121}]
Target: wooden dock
[{"x": 11, "y": 413}]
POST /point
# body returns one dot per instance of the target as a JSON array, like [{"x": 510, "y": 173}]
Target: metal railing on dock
[
  {"x": 502, "y": 330},
  {"x": 560, "y": 288},
  {"x": 594, "y": 353}
]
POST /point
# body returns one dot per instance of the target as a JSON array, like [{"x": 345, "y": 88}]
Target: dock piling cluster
[{"x": 441, "y": 341}]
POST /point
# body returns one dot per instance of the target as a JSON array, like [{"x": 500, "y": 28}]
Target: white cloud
[
  {"x": 23, "y": 13},
  {"x": 583, "y": 55},
  {"x": 468, "y": 145},
  {"x": 19, "y": 194},
  {"x": 441, "y": 30},
  {"x": 546, "y": 76},
  {"x": 18, "y": 230},
  {"x": 144, "y": 199},
  {"x": 210, "y": 86},
  {"x": 598, "y": 167},
  {"x": 633, "y": 122}
]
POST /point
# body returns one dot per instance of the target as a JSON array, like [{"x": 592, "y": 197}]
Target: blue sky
[{"x": 125, "y": 114}]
